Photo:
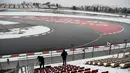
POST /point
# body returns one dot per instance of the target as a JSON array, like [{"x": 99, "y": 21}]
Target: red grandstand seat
[
  {"x": 105, "y": 72},
  {"x": 42, "y": 71},
  {"x": 87, "y": 72},
  {"x": 94, "y": 71},
  {"x": 75, "y": 68},
  {"x": 35, "y": 71},
  {"x": 81, "y": 67},
  {"x": 69, "y": 69},
  {"x": 78, "y": 66},
  {"x": 87, "y": 69},
  {"x": 57, "y": 72},
  {"x": 80, "y": 70},
  {"x": 74, "y": 71},
  {"x": 62, "y": 71}
]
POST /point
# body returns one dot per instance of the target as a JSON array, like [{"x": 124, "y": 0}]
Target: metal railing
[{"x": 26, "y": 64}]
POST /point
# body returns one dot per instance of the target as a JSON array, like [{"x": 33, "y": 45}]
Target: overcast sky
[{"x": 120, "y": 3}]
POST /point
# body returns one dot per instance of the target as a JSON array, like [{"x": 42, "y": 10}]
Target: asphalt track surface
[{"x": 62, "y": 37}]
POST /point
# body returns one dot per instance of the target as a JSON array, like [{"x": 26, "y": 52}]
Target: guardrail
[{"x": 70, "y": 51}]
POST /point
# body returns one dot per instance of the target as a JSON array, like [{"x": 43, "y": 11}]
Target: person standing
[
  {"x": 64, "y": 56},
  {"x": 8, "y": 61},
  {"x": 41, "y": 60}
]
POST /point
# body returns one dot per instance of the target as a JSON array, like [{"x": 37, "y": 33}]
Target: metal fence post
[
  {"x": 73, "y": 53},
  {"x": 93, "y": 52},
  {"x": 26, "y": 67},
  {"x": 0, "y": 66},
  {"x": 110, "y": 49},
  {"x": 83, "y": 53},
  {"x": 51, "y": 57},
  {"x": 124, "y": 50},
  {"x": 72, "y": 46}
]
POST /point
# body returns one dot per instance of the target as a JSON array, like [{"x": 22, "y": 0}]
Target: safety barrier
[{"x": 70, "y": 51}]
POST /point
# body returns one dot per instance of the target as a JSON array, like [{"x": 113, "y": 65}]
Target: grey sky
[{"x": 120, "y": 3}]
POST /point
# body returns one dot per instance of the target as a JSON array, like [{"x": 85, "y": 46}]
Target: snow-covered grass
[
  {"x": 7, "y": 22},
  {"x": 24, "y": 32}
]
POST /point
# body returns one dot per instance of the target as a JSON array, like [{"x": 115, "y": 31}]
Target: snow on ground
[
  {"x": 118, "y": 19},
  {"x": 7, "y": 22},
  {"x": 24, "y": 32},
  {"x": 77, "y": 11},
  {"x": 128, "y": 16},
  {"x": 90, "y": 12}
]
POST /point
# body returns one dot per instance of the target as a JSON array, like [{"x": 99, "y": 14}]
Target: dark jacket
[
  {"x": 64, "y": 55},
  {"x": 41, "y": 59}
]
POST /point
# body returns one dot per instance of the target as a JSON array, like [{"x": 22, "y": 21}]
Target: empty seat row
[
  {"x": 20, "y": 6},
  {"x": 67, "y": 69},
  {"x": 125, "y": 65},
  {"x": 113, "y": 62}
]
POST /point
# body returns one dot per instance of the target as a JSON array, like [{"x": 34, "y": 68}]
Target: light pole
[
  {"x": 0, "y": 66},
  {"x": 110, "y": 49},
  {"x": 51, "y": 57},
  {"x": 72, "y": 46},
  {"x": 109, "y": 45},
  {"x": 84, "y": 53}
]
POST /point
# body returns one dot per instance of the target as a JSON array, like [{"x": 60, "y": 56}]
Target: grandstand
[
  {"x": 28, "y": 6},
  {"x": 96, "y": 37}
]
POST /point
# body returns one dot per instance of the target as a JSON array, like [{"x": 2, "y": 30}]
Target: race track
[{"x": 80, "y": 32}]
